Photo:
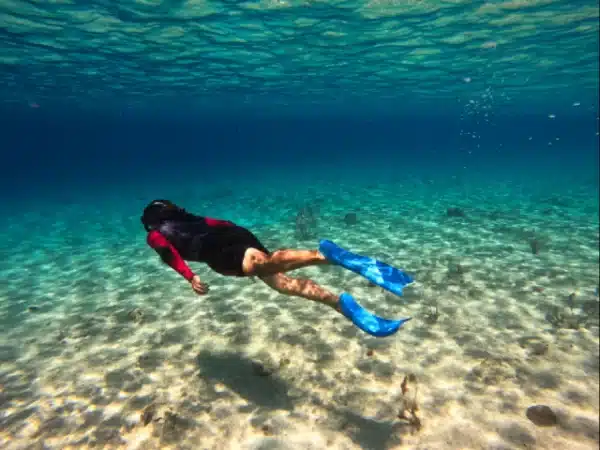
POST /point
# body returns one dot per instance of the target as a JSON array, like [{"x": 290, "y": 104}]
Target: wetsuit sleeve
[
  {"x": 217, "y": 222},
  {"x": 169, "y": 254}
]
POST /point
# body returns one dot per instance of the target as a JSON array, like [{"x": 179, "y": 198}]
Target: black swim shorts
[{"x": 224, "y": 249}]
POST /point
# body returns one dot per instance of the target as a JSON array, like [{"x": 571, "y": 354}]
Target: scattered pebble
[
  {"x": 267, "y": 430},
  {"x": 136, "y": 315},
  {"x": 538, "y": 348},
  {"x": 284, "y": 362},
  {"x": 542, "y": 415},
  {"x": 432, "y": 316}
]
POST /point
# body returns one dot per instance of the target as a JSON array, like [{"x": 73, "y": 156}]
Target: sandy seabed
[{"x": 106, "y": 348}]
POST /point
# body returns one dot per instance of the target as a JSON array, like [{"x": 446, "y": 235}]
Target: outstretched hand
[{"x": 198, "y": 286}]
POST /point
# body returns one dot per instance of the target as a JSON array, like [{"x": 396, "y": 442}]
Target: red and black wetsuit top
[{"x": 189, "y": 239}]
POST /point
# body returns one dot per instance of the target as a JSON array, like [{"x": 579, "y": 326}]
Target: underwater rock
[
  {"x": 535, "y": 345},
  {"x": 431, "y": 317},
  {"x": 260, "y": 370},
  {"x": 541, "y": 415},
  {"x": 284, "y": 362},
  {"x": 267, "y": 430},
  {"x": 564, "y": 318},
  {"x": 150, "y": 360},
  {"x": 455, "y": 212},
  {"x": 174, "y": 427},
  {"x": 351, "y": 219},
  {"x": 538, "y": 348},
  {"x": 136, "y": 315},
  {"x": 457, "y": 269}
]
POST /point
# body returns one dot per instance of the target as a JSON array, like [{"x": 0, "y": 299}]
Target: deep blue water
[
  {"x": 47, "y": 154},
  {"x": 98, "y": 95}
]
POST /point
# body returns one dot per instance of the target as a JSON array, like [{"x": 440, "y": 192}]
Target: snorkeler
[{"x": 230, "y": 250}]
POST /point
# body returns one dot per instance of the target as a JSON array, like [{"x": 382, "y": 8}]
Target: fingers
[{"x": 200, "y": 288}]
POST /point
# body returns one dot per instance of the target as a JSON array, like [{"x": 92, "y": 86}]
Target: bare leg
[
  {"x": 305, "y": 288},
  {"x": 259, "y": 263}
]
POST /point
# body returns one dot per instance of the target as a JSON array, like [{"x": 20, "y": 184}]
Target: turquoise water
[
  {"x": 172, "y": 57},
  {"x": 395, "y": 111}
]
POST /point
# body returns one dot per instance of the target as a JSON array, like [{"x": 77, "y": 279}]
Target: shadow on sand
[
  {"x": 371, "y": 433},
  {"x": 238, "y": 373}
]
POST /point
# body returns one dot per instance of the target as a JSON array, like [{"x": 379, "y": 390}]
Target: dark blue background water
[{"x": 47, "y": 152}]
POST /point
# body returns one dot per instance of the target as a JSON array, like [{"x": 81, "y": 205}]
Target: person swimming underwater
[
  {"x": 228, "y": 249},
  {"x": 231, "y": 250}
]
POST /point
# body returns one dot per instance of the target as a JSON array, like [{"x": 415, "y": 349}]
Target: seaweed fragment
[
  {"x": 535, "y": 245},
  {"x": 571, "y": 300},
  {"x": 148, "y": 414},
  {"x": 409, "y": 407},
  {"x": 306, "y": 223}
]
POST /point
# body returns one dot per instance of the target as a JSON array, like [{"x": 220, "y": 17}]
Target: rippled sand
[{"x": 116, "y": 339}]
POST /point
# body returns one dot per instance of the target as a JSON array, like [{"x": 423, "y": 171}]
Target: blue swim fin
[
  {"x": 380, "y": 273},
  {"x": 366, "y": 321}
]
